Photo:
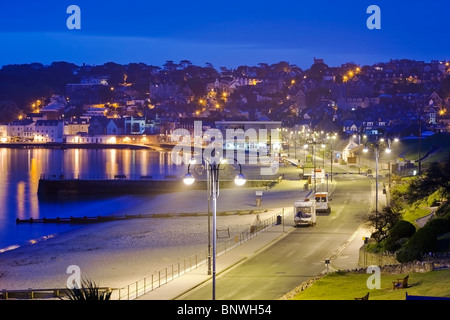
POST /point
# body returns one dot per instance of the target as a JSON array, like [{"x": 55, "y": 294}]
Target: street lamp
[
  {"x": 333, "y": 137},
  {"x": 313, "y": 141},
  {"x": 420, "y": 141},
  {"x": 359, "y": 143},
  {"x": 212, "y": 167},
  {"x": 376, "y": 145}
]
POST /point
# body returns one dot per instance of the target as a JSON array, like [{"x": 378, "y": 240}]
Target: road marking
[{"x": 345, "y": 244}]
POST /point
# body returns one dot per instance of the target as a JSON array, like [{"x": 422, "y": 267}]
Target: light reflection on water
[{"x": 20, "y": 170}]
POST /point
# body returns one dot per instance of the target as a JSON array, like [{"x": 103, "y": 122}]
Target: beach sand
[
  {"x": 114, "y": 254},
  {"x": 119, "y": 253}
]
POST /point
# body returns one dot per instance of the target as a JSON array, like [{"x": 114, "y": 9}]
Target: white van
[
  {"x": 322, "y": 202},
  {"x": 305, "y": 212}
]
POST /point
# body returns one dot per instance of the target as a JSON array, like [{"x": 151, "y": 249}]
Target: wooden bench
[
  {"x": 400, "y": 283},
  {"x": 366, "y": 297}
]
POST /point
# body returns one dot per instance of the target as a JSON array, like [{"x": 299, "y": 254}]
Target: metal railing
[{"x": 165, "y": 275}]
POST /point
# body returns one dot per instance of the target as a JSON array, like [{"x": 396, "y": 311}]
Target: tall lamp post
[
  {"x": 376, "y": 146},
  {"x": 420, "y": 139},
  {"x": 213, "y": 167},
  {"x": 333, "y": 137},
  {"x": 359, "y": 143},
  {"x": 313, "y": 141}
]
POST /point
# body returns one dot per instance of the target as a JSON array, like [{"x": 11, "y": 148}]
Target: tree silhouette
[{"x": 382, "y": 221}]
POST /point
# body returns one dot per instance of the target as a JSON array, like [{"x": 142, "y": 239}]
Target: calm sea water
[{"x": 20, "y": 170}]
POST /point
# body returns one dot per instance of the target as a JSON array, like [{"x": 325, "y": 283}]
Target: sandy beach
[{"x": 116, "y": 254}]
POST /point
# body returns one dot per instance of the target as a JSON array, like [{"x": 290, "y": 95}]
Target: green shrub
[
  {"x": 402, "y": 229},
  {"x": 374, "y": 246},
  {"x": 444, "y": 210},
  {"x": 406, "y": 254},
  {"x": 439, "y": 225},
  {"x": 424, "y": 240},
  {"x": 88, "y": 291}
]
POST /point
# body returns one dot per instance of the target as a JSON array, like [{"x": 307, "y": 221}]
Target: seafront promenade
[
  {"x": 119, "y": 254},
  {"x": 345, "y": 257}
]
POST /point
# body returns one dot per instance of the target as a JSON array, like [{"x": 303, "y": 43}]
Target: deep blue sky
[{"x": 225, "y": 33}]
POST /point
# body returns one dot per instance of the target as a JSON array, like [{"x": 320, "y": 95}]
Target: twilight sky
[{"x": 224, "y": 33}]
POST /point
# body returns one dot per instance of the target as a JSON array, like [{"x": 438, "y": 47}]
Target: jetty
[{"x": 51, "y": 185}]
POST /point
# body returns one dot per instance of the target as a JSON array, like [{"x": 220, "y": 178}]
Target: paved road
[{"x": 298, "y": 256}]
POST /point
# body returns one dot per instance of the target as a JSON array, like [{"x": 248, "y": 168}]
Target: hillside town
[{"x": 143, "y": 104}]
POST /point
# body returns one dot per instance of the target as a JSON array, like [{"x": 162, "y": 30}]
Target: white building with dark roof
[{"x": 48, "y": 131}]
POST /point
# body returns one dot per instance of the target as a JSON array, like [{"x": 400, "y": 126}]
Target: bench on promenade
[{"x": 400, "y": 283}]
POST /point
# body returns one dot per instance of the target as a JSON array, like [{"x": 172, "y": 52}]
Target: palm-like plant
[{"x": 88, "y": 291}]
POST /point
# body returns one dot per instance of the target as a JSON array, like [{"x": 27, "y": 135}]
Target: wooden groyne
[{"x": 83, "y": 220}]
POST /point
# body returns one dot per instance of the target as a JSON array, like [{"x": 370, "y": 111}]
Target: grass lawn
[
  {"x": 412, "y": 214},
  {"x": 349, "y": 285}
]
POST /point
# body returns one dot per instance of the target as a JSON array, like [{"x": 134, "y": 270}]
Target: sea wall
[{"x": 389, "y": 264}]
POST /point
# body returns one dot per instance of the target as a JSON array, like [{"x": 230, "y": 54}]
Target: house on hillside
[
  {"x": 298, "y": 97},
  {"x": 352, "y": 126},
  {"x": 55, "y": 109}
]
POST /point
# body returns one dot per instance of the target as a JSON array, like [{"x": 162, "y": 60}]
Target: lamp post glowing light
[
  {"x": 188, "y": 179},
  {"x": 376, "y": 145},
  {"x": 212, "y": 168},
  {"x": 312, "y": 141}
]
